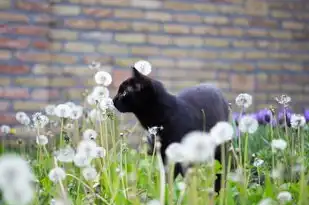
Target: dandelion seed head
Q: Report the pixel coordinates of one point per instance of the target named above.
(50, 110)
(199, 147)
(90, 134)
(97, 115)
(284, 197)
(87, 147)
(65, 154)
(258, 162)
(22, 118)
(42, 140)
(99, 93)
(81, 160)
(297, 121)
(57, 174)
(23, 194)
(222, 132)
(70, 104)
(243, 100)
(101, 152)
(63, 111)
(144, 67)
(107, 103)
(175, 152)
(248, 124)
(5, 129)
(89, 173)
(283, 100)
(76, 112)
(39, 120)
(91, 100)
(103, 78)
(278, 144)
(267, 201)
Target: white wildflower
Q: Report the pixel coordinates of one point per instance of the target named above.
(103, 78)
(297, 121)
(222, 132)
(87, 147)
(76, 112)
(97, 115)
(267, 201)
(70, 104)
(23, 194)
(101, 152)
(91, 99)
(41, 140)
(283, 100)
(199, 147)
(57, 174)
(65, 154)
(258, 162)
(90, 134)
(50, 109)
(284, 197)
(81, 160)
(175, 152)
(248, 124)
(5, 129)
(39, 120)
(236, 176)
(107, 103)
(94, 65)
(14, 169)
(277, 172)
(243, 100)
(278, 144)
(90, 173)
(22, 118)
(144, 67)
(99, 93)
(63, 111)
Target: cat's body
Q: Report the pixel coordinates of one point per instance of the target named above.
(196, 108)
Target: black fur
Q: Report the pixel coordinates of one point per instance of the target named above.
(149, 101)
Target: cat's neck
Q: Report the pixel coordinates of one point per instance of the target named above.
(159, 112)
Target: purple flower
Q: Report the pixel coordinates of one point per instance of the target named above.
(281, 119)
(306, 114)
(264, 116)
(236, 116)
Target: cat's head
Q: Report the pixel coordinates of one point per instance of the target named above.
(136, 92)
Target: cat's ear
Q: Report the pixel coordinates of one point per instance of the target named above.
(136, 73)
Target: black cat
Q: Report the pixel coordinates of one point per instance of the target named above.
(196, 108)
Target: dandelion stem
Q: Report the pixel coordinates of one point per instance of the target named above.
(162, 178)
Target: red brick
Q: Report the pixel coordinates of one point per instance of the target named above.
(242, 82)
(44, 45)
(119, 76)
(187, 18)
(65, 59)
(114, 25)
(13, 43)
(18, 69)
(262, 22)
(7, 118)
(33, 57)
(43, 19)
(176, 29)
(5, 55)
(4, 105)
(44, 94)
(14, 93)
(99, 13)
(30, 30)
(128, 14)
(9, 17)
(80, 23)
(33, 6)
(231, 32)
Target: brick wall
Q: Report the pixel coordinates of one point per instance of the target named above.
(241, 45)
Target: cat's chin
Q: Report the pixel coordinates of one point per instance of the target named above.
(121, 108)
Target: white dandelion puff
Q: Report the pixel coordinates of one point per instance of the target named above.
(222, 132)
(144, 67)
(91, 99)
(81, 160)
(278, 144)
(50, 109)
(65, 154)
(63, 111)
(89, 173)
(90, 134)
(284, 197)
(107, 103)
(101, 152)
(57, 174)
(97, 115)
(76, 112)
(243, 100)
(70, 104)
(41, 140)
(87, 147)
(175, 152)
(99, 93)
(23, 194)
(5, 129)
(103, 78)
(267, 201)
(283, 100)
(248, 124)
(236, 176)
(39, 120)
(22, 118)
(94, 65)
(258, 162)
(297, 121)
(199, 147)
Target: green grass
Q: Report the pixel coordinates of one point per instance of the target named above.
(128, 176)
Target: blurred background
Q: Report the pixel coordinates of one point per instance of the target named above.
(255, 46)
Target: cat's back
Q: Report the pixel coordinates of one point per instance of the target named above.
(206, 97)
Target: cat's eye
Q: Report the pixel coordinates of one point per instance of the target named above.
(129, 89)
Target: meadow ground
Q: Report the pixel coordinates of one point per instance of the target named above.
(81, 156)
